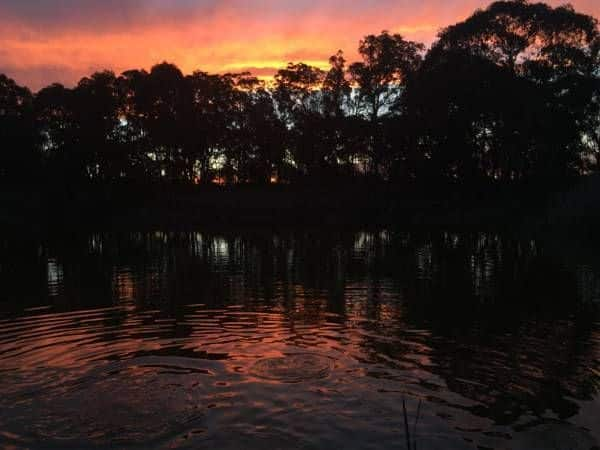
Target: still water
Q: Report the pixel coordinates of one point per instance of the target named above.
(299, 339)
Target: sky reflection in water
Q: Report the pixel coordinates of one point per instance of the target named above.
(153, 339)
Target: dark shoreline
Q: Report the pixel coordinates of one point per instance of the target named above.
(359, 205)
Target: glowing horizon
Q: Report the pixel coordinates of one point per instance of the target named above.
(63, 40)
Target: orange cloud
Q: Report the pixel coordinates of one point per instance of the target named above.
(232, 35)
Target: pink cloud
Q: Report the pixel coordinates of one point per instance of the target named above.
(64, 40)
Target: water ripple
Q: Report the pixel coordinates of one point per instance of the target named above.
(192, 340)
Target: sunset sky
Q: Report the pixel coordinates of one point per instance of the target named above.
(44, 41)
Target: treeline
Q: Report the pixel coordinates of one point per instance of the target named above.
(511, 94)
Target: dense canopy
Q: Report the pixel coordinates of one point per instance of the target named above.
(510, 94)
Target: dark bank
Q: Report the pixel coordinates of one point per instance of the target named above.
(362, 203)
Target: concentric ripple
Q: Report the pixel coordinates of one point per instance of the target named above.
(293, 368)
(134, 403)
(297, 340)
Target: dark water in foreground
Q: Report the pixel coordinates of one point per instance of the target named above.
(299, 339)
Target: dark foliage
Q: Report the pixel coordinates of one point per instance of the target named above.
(512, 94)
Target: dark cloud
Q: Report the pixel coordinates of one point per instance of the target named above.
(100, 15)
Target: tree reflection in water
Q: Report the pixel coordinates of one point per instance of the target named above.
(496, 334)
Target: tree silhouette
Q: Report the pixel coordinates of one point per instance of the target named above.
(259, 145)
(511, 94)
(58, 135)
(388, 60)
(336, 87)
(18, 157)
(96, 110)
(299, 99)
(213, 101)
(506, 92)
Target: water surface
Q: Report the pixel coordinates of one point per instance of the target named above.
(299, 339)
